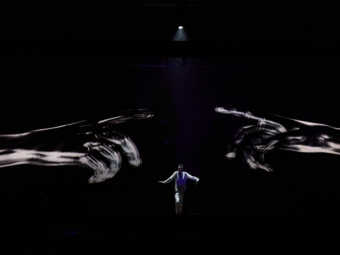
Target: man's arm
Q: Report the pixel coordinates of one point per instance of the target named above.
(192, 177)
(170, 178)
(18, 157)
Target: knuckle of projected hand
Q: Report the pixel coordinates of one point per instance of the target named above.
(107, 147)
(104, 154)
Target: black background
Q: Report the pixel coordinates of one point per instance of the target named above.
(185, 129)
(287, 68)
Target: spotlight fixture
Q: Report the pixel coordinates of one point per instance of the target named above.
(180, 35)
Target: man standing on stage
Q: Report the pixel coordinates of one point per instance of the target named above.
(180, 186)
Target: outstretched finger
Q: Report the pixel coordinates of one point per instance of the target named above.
(100, 124)
(126, 116)
(235, 112)
(269, 125)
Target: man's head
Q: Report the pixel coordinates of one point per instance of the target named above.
(180, 168)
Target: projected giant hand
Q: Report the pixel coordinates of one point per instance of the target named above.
(95, 144)
(264, 135)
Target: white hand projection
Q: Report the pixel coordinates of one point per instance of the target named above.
(94, 144)
(264, 135)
